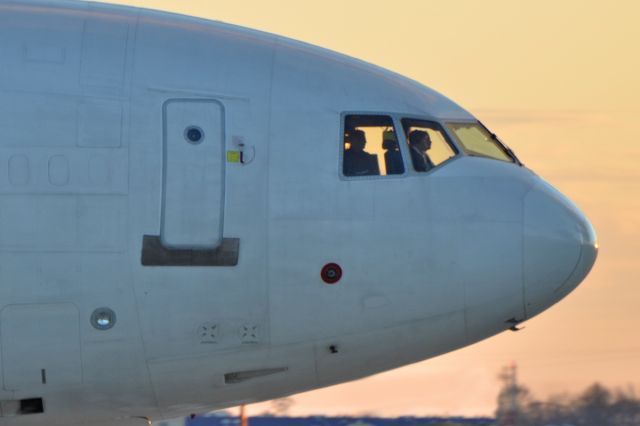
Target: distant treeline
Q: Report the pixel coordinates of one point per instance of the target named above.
(271, 420)
(595, 406)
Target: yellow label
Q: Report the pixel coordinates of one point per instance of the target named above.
(233, 156)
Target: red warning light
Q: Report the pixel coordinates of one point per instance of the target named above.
(331, 273)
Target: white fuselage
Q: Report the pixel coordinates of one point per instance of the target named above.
(209, 269)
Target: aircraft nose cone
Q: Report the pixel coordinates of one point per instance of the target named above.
(560, 248)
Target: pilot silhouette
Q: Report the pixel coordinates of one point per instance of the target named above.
(420, 143)
(358, 162)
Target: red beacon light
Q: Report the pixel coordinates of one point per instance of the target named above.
(331, 273)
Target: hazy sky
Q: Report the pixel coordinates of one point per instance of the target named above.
(560, 83)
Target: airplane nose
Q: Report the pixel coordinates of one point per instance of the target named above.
(560, 247)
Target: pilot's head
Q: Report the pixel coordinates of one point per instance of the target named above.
(420, 140)
(357, 140)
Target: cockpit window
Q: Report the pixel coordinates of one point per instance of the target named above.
(475, 139)
(371, 146)
(428, 144)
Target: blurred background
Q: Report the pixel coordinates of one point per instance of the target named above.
(560, 83)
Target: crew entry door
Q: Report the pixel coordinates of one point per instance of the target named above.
(193, 198)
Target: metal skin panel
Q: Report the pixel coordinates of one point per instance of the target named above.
(193, 199)
(431, 262)
(40, 346)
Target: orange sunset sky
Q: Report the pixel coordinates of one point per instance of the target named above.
(559, 81)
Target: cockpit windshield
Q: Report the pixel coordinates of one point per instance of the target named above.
(476, 140)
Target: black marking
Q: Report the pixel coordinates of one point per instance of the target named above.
(155, 254)
(242, 376)
(31, 406)
(514, 324)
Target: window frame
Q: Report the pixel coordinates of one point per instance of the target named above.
(399, 135)
(507, 151)
(409, 171)
(503, 145)
(457, 152)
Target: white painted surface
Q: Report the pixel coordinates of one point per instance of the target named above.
(94, 101)
(40, 346)
(193, 203)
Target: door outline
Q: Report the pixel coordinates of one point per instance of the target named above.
(222, 172)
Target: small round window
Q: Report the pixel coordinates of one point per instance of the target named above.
(194, 135)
